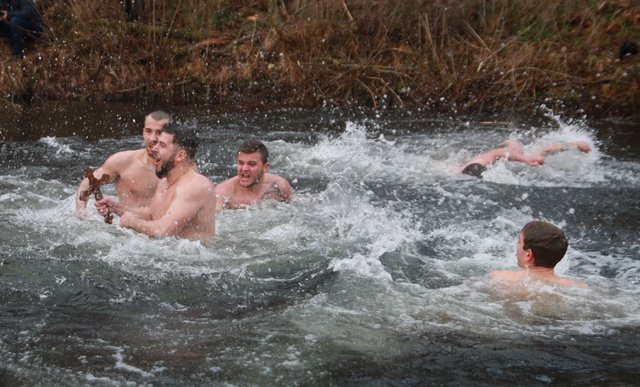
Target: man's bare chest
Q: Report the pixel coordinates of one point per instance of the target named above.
(138, 181)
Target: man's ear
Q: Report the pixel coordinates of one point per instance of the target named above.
(265, 167)
(529, 257)
(182, 155)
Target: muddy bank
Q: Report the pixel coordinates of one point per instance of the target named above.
(476, 57)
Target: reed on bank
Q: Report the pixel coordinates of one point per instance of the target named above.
(474, 56)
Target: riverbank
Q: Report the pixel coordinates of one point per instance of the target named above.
(475, 57)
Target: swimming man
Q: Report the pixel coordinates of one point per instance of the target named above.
(513, 150)
(539, 248)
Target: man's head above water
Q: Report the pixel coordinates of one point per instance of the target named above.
(474, 169)
(252, 146)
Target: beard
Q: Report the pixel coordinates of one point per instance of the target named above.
(166, 167)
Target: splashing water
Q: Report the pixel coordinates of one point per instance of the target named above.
(377, 270)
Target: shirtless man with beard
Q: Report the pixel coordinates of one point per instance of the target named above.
(133, 171)
(252, 184)
(183, 204)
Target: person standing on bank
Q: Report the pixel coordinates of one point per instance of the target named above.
(183, 204)
(19, 19)
(133, 171)
(252, 184)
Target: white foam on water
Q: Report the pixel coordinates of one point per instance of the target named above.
(55, 143)
(121, 364)
(419, 159)
(354, 159)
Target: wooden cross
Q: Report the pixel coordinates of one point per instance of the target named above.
(94, 189)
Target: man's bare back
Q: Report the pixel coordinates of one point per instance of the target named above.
(525, 277)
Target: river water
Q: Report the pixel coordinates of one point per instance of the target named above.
(375, 274)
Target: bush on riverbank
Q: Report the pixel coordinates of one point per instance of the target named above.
(473, 56)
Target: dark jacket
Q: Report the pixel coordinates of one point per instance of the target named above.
(21, 8)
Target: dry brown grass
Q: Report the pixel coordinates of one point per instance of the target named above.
(470, 56)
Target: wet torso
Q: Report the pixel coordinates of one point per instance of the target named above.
(137, 181)
(201, 225)
(235, 196)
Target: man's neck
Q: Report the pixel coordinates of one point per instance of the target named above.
(540, 272)
(177, 172)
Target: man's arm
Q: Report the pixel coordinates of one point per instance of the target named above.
(111, 167)
(81, 205)
(515, 152)
(223, 195)
(550, 149)
(107, 206)
(184, 207)
(286, 192)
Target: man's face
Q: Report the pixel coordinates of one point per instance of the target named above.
(165, 151)
(151, 131)
(250, 168)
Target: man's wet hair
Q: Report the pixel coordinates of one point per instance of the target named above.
(475, 169)
(160, 115)
(548, 243)
(252, 145)
(185, 137)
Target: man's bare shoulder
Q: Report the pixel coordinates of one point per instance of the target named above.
(281, 182)
(204, 182)
(509, 276)
(198, 182)
(226, 186)
(279, 189)
(569, 282)
(125, 158)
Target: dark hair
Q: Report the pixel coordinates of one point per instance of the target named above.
(251, 146)
(548, 243)
(474, 169)
(186, 138)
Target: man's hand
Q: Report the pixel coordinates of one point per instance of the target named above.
(4, 15)
(81, 213)
(105, 206)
